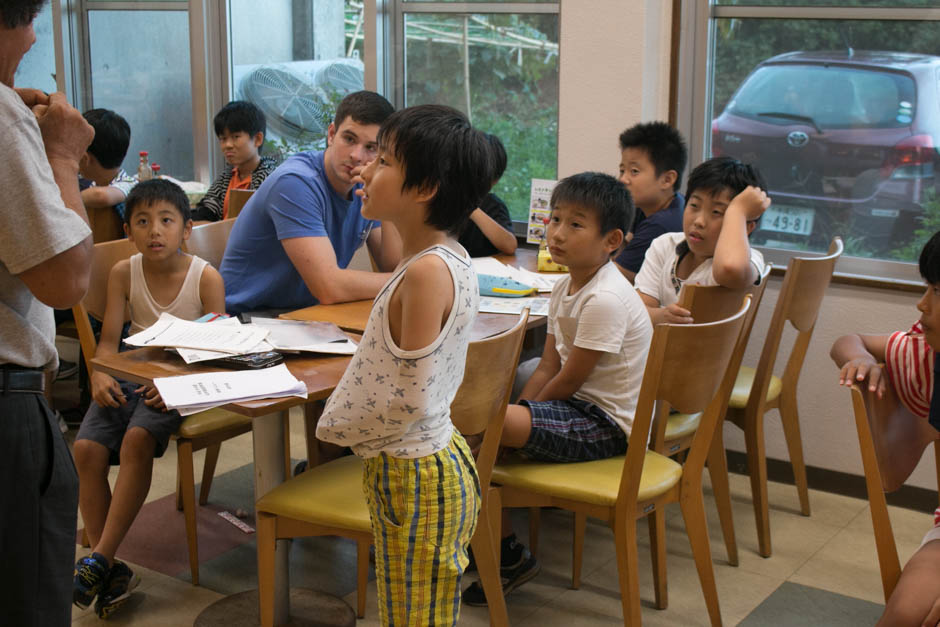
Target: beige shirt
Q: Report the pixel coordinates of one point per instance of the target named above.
(145, 310)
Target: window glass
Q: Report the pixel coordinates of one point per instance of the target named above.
(37, 68)
(842, 119)
(508, 86)
(140, 69)
(891, 4)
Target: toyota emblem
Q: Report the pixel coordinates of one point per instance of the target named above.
(797, 139)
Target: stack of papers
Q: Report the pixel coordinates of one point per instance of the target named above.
(538, 306)
(543, 282)
(193, 393)
(305, 336)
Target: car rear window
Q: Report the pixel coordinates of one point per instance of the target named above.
(830, 96)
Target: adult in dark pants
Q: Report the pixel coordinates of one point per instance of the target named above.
(45, 255)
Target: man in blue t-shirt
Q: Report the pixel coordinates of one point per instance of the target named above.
(293, 240)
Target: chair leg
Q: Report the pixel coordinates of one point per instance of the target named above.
(577, 553)
(657, 526)
(187, 489)
(362, 575)
(757, 468)
(312, 413)
(718, 470)
(790, 418)
(486, 552)
(693, 511)
(208, 472)
(288, 472)
(535, 515)
(627, 569)
(179, 488)
(265, 540)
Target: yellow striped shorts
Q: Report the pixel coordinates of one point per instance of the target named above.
(423, 513)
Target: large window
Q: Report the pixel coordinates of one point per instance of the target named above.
(37, 69)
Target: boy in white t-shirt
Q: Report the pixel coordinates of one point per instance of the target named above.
(724, 200)
(579, 403)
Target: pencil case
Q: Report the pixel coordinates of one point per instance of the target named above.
(500, 286)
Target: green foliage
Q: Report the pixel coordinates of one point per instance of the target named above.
(928, 224)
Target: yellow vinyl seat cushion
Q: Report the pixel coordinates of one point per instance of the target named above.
(210, 420)
(596, 482)
(742, 387)
(681, 425)
(329, 494)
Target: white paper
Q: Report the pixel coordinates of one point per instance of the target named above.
(538, 305)
(491, 266)
(225, 338)
(192, 393)
(543, 282)
(306, 336)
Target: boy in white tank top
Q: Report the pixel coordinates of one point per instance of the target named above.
(128, 423)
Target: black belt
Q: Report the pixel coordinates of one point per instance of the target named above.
(14, 379)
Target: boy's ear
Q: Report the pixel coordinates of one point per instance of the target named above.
(127, 232)
(258, 139)
(187, 229)
(612, 240)
(426, 194)
(330, 134)
(668, 179)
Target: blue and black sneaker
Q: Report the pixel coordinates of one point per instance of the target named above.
(121, 582)
(91, 573)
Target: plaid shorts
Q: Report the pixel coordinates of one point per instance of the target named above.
(572, 431)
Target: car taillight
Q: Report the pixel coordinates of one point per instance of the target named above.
(716, 149)
(911, 151)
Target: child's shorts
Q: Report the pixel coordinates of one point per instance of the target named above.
(107, 425)
(572, 431)
(424, 512)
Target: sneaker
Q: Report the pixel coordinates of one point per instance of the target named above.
(91, 574)
(518, 566)
(300, 468)
(66, 369)
(121, 582)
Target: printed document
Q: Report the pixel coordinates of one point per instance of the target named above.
(193, 393)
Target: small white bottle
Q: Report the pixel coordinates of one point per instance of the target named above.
(144, 172)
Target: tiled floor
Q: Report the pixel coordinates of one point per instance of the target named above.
(832, 550)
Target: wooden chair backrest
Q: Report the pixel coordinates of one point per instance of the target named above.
(104, 256)
(689, 385)
(208, 240)
(480, 404)
(801, 295)
(236, 201)
(891, 440)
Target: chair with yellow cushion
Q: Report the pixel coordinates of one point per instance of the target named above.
(327, 499)
(622, 489)
(205, 430)
(758, 390)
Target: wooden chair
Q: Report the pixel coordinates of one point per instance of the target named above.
(208, 240)
(619, 490)
(327, 499)
(892, 441)
(205, 430)
(758, 390)
(236, 201)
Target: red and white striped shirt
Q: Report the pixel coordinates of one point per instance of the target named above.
(909, 361)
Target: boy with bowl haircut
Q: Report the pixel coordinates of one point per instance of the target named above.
(910, 361)
(652, 158)
(129, 423)
(724, 201)
(579, 403)
(393, 403)
(240, 127)
(102, 180)
(489, 230)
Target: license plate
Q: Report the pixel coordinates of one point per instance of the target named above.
(794, 220)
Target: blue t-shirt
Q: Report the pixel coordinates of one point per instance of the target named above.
(296, 200)
(646, 229)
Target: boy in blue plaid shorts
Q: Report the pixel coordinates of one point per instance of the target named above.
(579, 403)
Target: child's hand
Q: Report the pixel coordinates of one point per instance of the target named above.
(106, 391)
(858, 369)
(151, 396)
(753, 201)
(674, 314)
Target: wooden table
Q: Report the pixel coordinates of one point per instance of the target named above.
(320, 374)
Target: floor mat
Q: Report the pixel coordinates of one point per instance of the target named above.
(795, 605)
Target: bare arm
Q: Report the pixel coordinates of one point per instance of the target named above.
(548, 367)
(858, 357)
(385, 247)
(61, 281)
(494, 231)
(315, 260)
(671, 314)
(101, 197)
(212, 291)
(104, 388)
(571, 377)
(427, 296)
(731, 265)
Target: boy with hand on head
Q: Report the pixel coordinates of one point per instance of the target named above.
(240, 127)
(102, 180)
(910, 361)
(724, 200)
(489, 230)
(129, 423)
(652, 158)
(393, 403)
(579, 403)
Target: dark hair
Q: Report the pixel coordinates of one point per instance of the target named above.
(439, 150)
(664, 145)
(930, 260)
(364, 107)
(601, 193)
(16, 13)
(721, 173)
(112, 137)
(240, 116)
(156, 190)
(499, 156)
